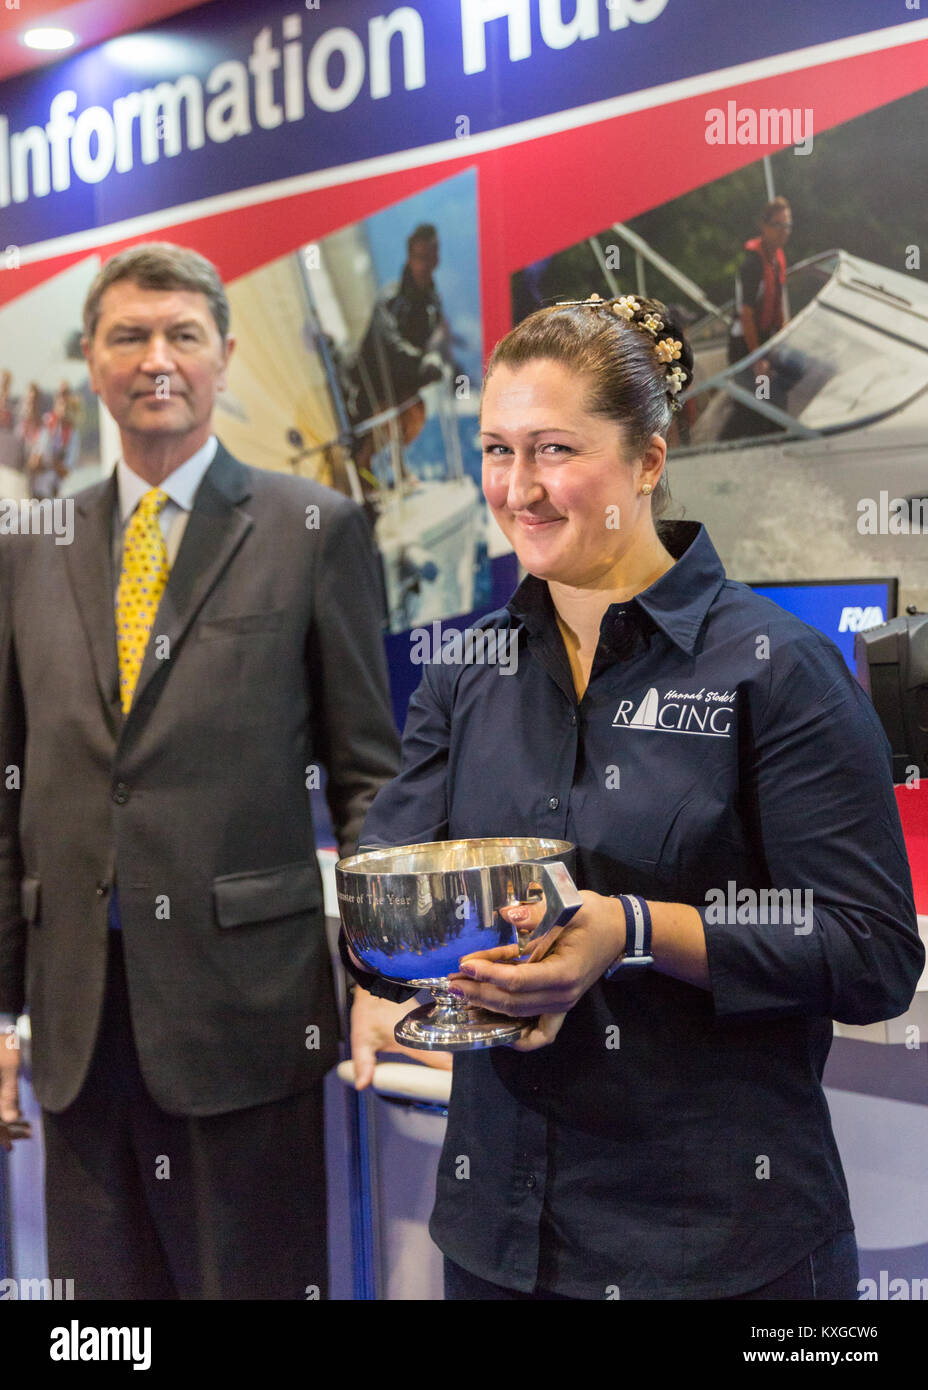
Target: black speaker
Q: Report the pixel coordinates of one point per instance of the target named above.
(892, 666)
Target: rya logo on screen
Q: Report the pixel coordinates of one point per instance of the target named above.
(860, 619)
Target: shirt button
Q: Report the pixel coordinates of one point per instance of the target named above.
(553, 803)
(531, 1181)
(120, 793)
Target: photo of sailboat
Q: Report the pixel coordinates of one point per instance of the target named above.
(304, 323)
(793, 490)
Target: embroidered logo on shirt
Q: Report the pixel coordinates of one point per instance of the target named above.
(707, 712)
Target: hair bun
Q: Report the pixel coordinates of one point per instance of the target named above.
(673, 354)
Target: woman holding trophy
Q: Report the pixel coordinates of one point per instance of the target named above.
(659, 1130)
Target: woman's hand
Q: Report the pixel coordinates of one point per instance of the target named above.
(550, 987)
(372, 1024)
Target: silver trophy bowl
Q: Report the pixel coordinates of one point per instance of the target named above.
(410, 913)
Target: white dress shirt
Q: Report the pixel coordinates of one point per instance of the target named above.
(180, 485)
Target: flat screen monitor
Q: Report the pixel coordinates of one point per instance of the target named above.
(838, 607)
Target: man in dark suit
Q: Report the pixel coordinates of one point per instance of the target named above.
(170, 683)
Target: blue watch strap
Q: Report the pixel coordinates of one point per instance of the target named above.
(637, 935)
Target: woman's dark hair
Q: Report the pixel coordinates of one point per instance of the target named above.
(627, 381)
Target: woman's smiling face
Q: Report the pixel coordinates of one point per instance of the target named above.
(557, 477)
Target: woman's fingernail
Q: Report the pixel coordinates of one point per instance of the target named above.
(457, 994)
(467, 970)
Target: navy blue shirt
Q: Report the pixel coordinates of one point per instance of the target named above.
(673, 1142)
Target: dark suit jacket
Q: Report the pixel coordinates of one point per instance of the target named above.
(196, 802)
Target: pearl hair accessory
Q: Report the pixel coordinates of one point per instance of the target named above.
(668, 350)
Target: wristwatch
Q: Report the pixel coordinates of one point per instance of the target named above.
(637, 935)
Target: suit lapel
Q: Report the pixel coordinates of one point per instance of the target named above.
(214, 532)
(90, 569)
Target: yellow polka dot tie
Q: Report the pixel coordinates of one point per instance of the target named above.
(142, 579)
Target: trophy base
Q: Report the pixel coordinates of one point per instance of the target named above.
(439, 1027)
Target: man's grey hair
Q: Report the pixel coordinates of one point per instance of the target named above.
(159, 265)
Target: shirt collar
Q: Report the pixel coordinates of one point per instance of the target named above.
(180, 485)
(677, 603)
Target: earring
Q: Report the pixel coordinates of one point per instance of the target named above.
(646, 490)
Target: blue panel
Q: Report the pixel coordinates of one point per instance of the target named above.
(839, 610)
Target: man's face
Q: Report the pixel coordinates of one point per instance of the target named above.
(423, 259)
(156, 359)
(777, 231)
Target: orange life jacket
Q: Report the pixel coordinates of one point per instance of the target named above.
(769, 316)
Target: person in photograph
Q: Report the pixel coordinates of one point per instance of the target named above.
(760, 285)
(660, 1130)
(9, 445)
(761, 310)
(7, 400)
(171, 683)
(407, 345)
(29, 420)
(56, 448)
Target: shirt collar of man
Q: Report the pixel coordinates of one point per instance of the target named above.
(180, 485)
(677, 603)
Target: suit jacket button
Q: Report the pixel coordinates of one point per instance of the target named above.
(102, 889)
(120, 793)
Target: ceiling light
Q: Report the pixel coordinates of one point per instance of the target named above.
(48, 38)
